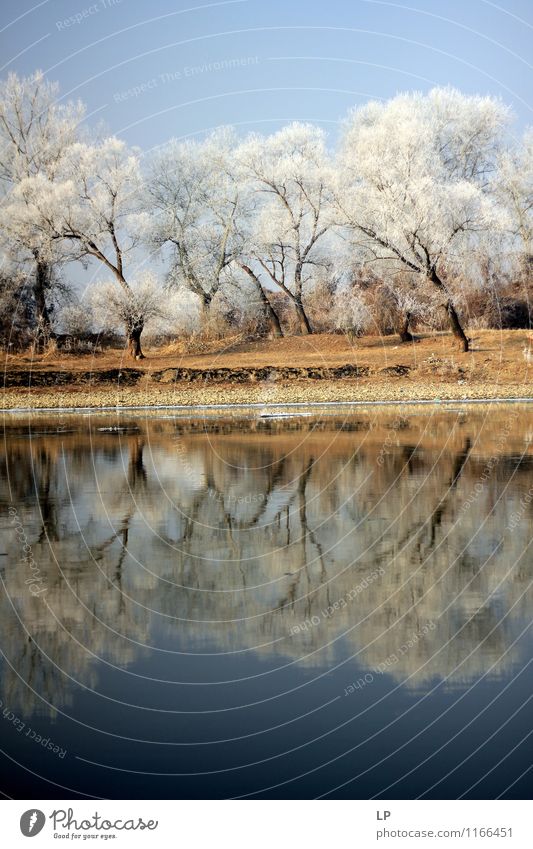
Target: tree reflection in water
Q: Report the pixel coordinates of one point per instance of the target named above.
(252, 528)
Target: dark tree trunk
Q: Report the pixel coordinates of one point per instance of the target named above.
(41, 284)
(205, 307)
(273, 319)
(455, 323)
(134, 341)
(404, 332)
(271, 315)
(305, 326)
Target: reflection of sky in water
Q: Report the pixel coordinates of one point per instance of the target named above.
(247, 576)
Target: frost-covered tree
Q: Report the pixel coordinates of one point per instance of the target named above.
(414, 180)
(114, 307)
(194, 202)
(514, 188)
(95, 208)
(104, 309)
(291, 175)
(200, 207)
(36, 131)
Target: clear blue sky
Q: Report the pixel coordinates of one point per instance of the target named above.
(143, 68)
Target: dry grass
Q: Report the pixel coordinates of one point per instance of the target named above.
(198, 344)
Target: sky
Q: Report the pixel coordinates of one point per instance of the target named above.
(154, 70)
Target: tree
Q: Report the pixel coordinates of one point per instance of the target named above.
(514, 187)
(290, 173)
(193, 202)
(35, 134)
(95, 207)
(200, 207)
(414, 184)
(271, 316)
(113, 306)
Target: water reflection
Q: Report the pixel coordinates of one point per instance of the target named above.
(203, 551)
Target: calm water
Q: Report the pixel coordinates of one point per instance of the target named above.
(330, 605)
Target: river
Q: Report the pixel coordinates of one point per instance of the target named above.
(330, 605)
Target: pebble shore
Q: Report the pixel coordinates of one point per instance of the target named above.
(308, 392)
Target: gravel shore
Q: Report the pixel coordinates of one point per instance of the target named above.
(309, 392)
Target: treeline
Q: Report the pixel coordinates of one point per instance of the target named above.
(421, 215)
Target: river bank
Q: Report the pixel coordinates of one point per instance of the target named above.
(297, 370)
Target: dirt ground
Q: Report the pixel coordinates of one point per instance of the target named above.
(295, 369)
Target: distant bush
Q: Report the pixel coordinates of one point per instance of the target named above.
(513, 314)
(509, 308)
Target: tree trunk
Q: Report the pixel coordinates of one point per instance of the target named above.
(455, 324)
(273, 319)
(527, 266)
(134, 341)
(404, 332)
(205, 312)
(272, 316)
(305, 326)
(41, 284)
